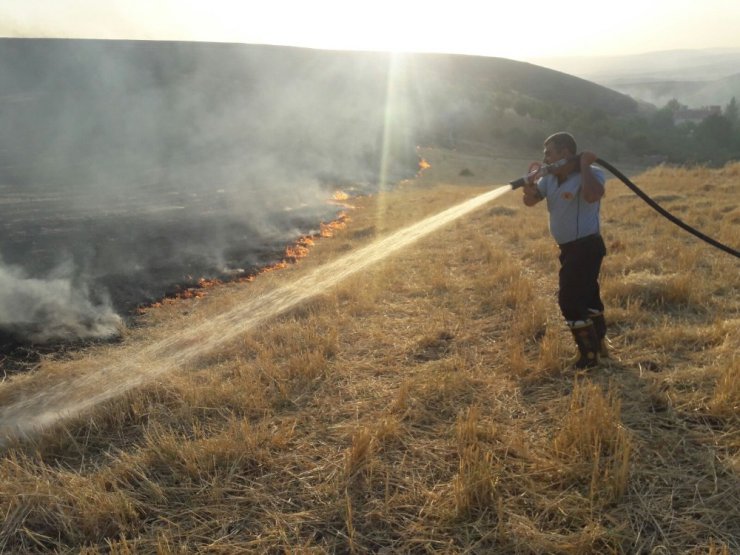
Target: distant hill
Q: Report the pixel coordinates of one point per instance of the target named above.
(692, 93)
(687, 64)
(694, 77)
(502, 75)
(76, 112)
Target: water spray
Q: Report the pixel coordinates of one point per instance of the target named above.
(537, 171)
(71, 397)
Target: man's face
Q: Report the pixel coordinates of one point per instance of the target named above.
(553, 153)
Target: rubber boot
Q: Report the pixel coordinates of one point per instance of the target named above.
(587, 340)
(600, 325)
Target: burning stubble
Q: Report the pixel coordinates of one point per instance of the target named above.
(69, 398)
(135, 165)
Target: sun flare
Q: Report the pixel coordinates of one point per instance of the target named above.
(518, 30)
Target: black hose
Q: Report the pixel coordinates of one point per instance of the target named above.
(663, 212)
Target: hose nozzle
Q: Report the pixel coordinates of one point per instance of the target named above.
(537, 170)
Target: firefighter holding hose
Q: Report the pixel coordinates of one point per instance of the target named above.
(573, 189)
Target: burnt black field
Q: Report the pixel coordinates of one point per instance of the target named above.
(147, 245)
(131, 168)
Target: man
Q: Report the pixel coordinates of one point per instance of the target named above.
(573, 193)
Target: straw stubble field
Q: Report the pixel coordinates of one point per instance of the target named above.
(422, 405)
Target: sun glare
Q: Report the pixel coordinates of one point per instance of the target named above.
(519, 30)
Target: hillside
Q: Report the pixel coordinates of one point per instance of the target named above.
(695, 77)
(716, 92)
(421, 404)
(138, 111)
(706, 64)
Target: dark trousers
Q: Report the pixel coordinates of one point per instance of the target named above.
(580, 263)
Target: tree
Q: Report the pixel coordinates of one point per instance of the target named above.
(663, 119)
(715, 128)
(674, 105)
(715, 138)
(731, 112)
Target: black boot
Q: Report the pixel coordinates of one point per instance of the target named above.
(600, 325)
(587, 340)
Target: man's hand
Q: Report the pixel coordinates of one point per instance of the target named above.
(587, 158)
(531, 194)
(591, 188)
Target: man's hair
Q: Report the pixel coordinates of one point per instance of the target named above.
(562, 140)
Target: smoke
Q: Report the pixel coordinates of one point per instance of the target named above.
(129, 168)
(143, 166)
(51, 309)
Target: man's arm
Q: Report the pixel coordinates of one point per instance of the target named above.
(591, 188)
(531, 194)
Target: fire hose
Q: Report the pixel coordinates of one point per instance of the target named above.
(536, 171)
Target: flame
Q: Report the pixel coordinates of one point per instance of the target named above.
(330, 228)
(299, 249)
(340, 198)
(295, 251)
(203, 282)
(266, 269)
(196, 291)
(423, 165)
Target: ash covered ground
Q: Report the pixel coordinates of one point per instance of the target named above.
(74, 269)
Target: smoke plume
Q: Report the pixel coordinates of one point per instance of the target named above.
(128, 169)
(51, 309)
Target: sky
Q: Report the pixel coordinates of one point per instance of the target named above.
(516, 29)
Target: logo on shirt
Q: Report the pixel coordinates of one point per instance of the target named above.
(567, 195)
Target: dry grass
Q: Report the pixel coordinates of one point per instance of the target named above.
(593, 441)
(424, 405)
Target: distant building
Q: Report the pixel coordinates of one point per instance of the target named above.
(697, 115)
